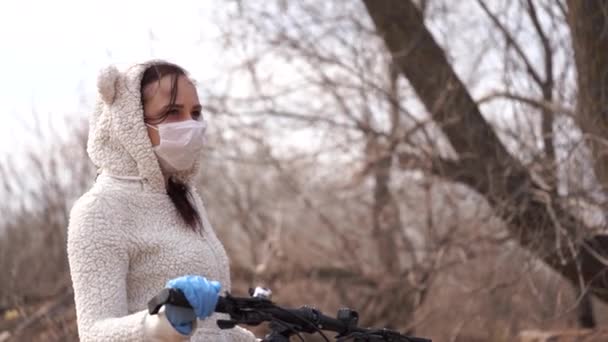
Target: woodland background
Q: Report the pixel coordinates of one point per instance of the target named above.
(440, 166)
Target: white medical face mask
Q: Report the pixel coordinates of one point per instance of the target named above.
(180, 144)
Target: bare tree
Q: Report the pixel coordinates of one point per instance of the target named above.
(536, 217)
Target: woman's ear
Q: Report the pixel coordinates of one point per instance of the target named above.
(106, 83)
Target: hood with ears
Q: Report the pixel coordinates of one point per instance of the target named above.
(118, 138)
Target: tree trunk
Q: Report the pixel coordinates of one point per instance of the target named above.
(588, 20)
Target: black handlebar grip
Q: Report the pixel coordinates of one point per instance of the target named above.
(168, 295)
(176, 297)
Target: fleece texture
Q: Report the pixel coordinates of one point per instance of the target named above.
(125, 237)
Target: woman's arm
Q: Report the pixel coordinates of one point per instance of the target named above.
(99, 262)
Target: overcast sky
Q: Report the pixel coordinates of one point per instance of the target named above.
(51, 50)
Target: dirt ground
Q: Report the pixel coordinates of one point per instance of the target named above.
(51, 320)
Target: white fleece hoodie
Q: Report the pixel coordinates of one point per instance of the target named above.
(125, 237)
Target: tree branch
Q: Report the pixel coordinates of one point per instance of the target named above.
(511, 41)
(539, 104)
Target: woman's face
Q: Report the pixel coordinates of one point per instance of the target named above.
(157, 99)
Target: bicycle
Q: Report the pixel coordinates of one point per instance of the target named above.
(285, 322)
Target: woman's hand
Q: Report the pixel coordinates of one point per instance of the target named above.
(201, 293)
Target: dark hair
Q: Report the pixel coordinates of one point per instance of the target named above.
(177, 191)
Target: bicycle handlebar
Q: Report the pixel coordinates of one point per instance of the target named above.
(284, 322)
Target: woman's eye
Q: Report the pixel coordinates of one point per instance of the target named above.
(196, 114)
(173, 112)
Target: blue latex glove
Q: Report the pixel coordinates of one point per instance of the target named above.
(201, 293)
(180, 318)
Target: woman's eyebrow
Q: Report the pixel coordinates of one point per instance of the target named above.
(180, 106)
(174, 105)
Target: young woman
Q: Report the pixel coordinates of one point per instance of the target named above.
(142, 227)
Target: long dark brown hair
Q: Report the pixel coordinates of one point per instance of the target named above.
(177, 191)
